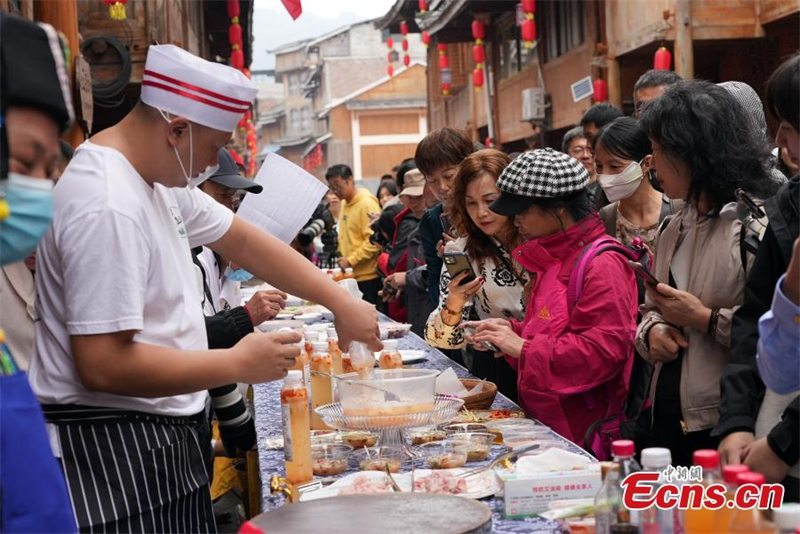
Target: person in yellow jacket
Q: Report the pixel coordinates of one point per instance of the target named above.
(355, 248)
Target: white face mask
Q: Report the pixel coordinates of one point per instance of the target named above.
(622, 185)
(191, 181)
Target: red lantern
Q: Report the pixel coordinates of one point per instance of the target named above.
(478, 54)
(406, 60)
(529, 32)
(389, 42)
(390, 70)
(446, 89)
(116, 9)
(233, 8)
(405, 44)
(404, 28)
(477, 30)
(477, 78)
(600, 91)
(488, 142)
(237, 59)
(426, 39)
(442, 48)
(423, 6)
(389, 57)
(662, 60)
(444, 62)
(235, 35)
(529, 6)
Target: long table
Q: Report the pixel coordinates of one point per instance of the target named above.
(268, 424)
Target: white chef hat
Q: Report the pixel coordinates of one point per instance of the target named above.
(185, 85)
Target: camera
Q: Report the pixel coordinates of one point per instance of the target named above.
(311, 232)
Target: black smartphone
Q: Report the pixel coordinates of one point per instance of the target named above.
(483, 345)
(457, 263)
(643, 272)
(447, 226)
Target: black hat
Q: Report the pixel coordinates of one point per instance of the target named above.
(543, 173)
(228, 175)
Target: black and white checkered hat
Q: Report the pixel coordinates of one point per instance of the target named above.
(543, 173)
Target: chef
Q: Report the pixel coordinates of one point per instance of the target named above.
(121, 363)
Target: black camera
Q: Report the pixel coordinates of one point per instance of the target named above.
(311, 232)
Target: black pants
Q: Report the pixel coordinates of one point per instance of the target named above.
(370, 290)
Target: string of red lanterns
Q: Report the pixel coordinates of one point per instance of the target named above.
(662, 59)
(390, 68)
(423, 6)
(478, 54)
(529, 24)
(444, 67)
(426, 39)
(600, 90)
(246, 127)
(404, 33)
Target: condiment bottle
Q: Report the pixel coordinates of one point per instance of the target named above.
(611, 516)
(296, 429)
(320, 385)
(623, 451)
(655, 520)
(336, 352)
(302, 364)
(390, 357)
(750, 521)
(701, 520)
(722, 519)
(362, 359)
(310, 336)
(347, 363)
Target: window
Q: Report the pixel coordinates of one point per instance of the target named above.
(562, 26)
(514, 55)
(294, 121)
(294, 83)
(306, 119)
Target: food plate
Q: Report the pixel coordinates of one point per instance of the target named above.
(478, 487)
(394, 330)
(481, 416)
(409, 356)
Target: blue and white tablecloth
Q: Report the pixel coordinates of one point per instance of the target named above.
(268, 424)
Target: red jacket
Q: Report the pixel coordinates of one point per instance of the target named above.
(570, 358)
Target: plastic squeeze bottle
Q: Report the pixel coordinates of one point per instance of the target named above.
(321, 392)
(335, 351)
(390, 356)
(296, 429)
(701, 520)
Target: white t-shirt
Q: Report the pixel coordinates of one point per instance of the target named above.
(118, 258)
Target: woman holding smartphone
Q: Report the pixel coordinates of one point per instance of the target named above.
(498, 284)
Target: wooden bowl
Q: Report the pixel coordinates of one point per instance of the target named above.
(482, 400)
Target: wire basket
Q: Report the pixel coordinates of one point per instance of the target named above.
(444, 408)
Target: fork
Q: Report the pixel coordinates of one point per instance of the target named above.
(498, 461)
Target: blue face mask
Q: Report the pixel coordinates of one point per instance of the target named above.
(237, 275)
(30, 204)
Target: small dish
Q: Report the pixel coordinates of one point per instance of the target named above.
(445, 454)
(330, 459)
(480, 444)
(359, 440)
(318, 437)
(378, 458)
(461, 428)
(427, 434)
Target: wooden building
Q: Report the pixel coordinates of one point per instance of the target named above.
(528, 91)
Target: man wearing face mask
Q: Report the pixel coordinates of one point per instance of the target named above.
(122, 362)
(35, 107)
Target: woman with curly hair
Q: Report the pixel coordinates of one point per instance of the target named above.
(704, 151)
(487, 238)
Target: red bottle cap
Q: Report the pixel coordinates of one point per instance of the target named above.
(751, 478)
(623, 447)
(249, 528)
(706, 458)
(731, 472)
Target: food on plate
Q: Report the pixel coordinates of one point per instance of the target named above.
(441, 482)
(363, 485)
(447, 460)
(479, 444)
(380, 464)
(481, 416)
(421, 436)
(394, 330)
(478, 452)
(330, 458)
(325, 467)
(359, 440)
(445, 454)
(461, 428)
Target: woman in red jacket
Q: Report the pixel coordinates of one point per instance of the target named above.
(573, 355)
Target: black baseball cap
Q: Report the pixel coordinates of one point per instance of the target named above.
(228, 175)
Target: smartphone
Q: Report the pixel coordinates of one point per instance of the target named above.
(457, 263)
(643, 272)
(483, 345)
(446, 225)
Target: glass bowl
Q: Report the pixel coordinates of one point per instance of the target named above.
(479, 444)
(461, 428)
(318, 437)
(445, 454)
(426, 434)
(359, 440)
(377, 458)
(330, 458)
(389, 396)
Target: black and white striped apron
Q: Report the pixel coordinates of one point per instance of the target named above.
(130, 471)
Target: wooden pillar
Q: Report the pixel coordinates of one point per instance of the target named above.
(63, 16)
(684, 48)
(614, 81)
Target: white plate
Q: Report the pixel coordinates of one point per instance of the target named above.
(272, 326)
(284, 317)
(478, 487)
(409, 356)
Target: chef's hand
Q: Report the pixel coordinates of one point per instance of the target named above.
(343, 263)
(760, 458)
(679, 307)
(665, 342)
(262, 357)
(265, 305)
(458, 295)
(733, 446)
(357, 320)
(497, 332)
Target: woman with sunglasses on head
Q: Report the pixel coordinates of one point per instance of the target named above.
(487, 239)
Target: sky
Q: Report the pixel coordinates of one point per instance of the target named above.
(273, 27)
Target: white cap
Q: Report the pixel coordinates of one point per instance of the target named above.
(390, 344)
(332, 334)
(320, 346)
(656, 457)
(311, 336)
(787, 517)
(201, 91)
(294, 376)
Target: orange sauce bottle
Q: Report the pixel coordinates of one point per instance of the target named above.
(390, 357)
(321, 392)
(310, 337)
(750, 521)
(730, 473)
(296, 429)
(335, 351)
(702, 520)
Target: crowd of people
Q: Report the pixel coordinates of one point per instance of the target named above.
(644, 281)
